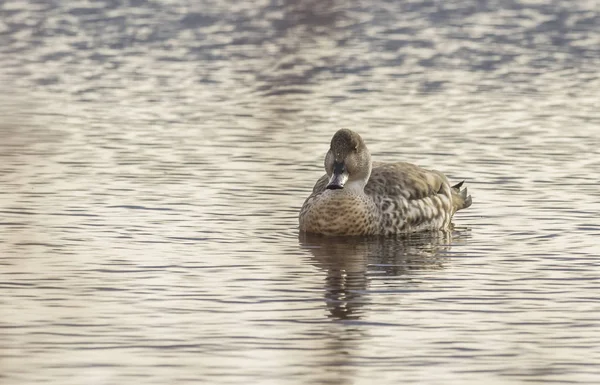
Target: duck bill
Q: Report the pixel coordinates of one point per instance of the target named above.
(337, 181)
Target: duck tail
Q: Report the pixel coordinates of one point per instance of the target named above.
(460, 199)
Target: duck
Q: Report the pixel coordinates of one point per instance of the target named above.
(359, 197)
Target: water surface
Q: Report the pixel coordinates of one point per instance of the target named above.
(154, 157)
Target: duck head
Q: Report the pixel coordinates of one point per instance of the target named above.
(348, 161)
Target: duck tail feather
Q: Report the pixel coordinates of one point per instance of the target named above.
(458, 185)
(461, 198)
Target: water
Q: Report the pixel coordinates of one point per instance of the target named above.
(154, 157)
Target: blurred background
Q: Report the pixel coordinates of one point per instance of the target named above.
(154, 156)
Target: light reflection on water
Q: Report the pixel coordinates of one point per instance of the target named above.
(350, 263)
(154, 157)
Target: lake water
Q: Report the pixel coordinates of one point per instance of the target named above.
(154, 156)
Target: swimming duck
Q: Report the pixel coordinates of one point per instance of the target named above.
(361, 197)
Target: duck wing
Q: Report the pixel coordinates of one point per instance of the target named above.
(413, 183)
(321, 184)
(406, 180)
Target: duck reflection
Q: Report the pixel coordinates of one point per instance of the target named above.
(351, 262)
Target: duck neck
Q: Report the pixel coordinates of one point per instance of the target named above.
(355, 186)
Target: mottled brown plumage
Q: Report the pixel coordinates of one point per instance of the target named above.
(360, 197)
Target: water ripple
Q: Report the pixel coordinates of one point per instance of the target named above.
(154, 156)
